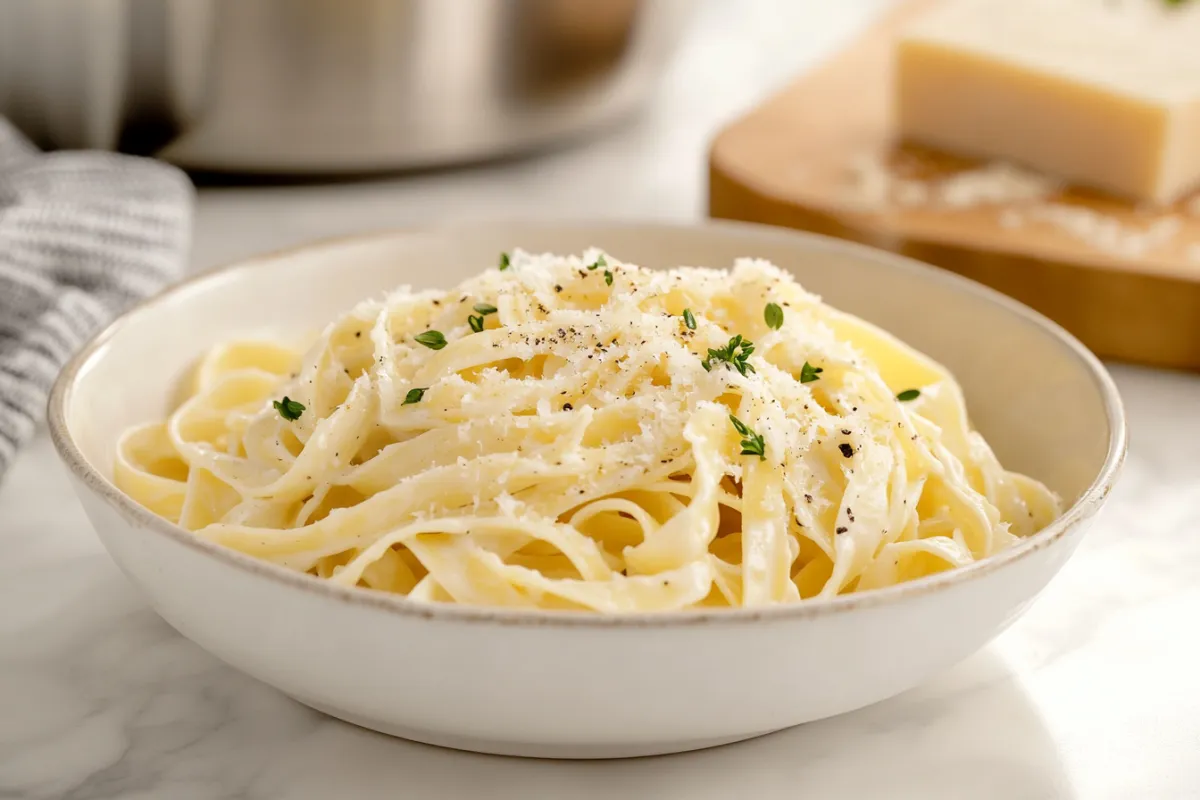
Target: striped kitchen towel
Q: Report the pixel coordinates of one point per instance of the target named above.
(82, 236)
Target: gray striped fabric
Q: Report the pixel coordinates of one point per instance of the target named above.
(82, 236)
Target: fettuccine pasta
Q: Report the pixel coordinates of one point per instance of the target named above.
(581, 433)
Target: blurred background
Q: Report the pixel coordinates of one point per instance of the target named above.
(303, 118)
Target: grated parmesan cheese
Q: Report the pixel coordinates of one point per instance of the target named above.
(994, 184)
(1106, 233)
(869, 183)
(874, 186)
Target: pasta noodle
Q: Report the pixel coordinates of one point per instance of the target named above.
(580, 433)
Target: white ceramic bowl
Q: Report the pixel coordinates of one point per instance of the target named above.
(570, 684)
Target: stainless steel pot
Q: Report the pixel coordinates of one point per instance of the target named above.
(312, 86)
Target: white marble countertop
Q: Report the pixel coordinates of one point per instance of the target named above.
(1095, 693)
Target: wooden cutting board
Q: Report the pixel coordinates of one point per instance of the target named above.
(1125, 280)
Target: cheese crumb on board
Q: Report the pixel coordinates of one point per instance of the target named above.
(1021, 198)
(994, 184)
(1104, 233)
(1103, 93)
(874, 186)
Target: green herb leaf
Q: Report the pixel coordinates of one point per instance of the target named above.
(476, 323)
(485, 308)
(689, 319)
(505, 262)
(773, 315)
(908, 394)
(414, 396)
(434, 340)
(600, 262)
(734, 354)
(752, 443)
(288, 408)
(608, 277)
(809, 373)
(754, 446)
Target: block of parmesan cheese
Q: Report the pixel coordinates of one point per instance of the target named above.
(1103, 93)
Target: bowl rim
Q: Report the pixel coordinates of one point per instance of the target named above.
(1084, 507)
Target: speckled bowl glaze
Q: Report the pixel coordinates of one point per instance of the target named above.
(569, 684)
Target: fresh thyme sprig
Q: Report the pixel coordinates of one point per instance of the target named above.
(752, 443)
(735, 354)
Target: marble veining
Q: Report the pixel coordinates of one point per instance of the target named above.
(1093, 694)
